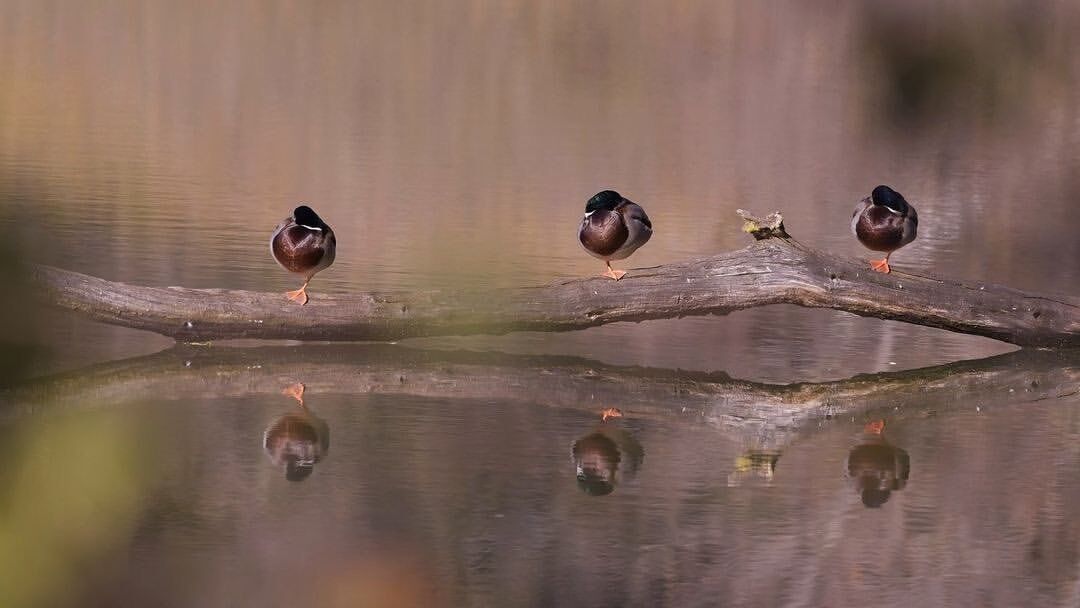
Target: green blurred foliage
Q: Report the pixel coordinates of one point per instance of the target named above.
(69, 499)
(18, 318)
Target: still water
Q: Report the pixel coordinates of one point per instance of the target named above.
(453, 145)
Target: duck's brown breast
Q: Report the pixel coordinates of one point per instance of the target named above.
(298, 249)
(603, 232)
(880, 229)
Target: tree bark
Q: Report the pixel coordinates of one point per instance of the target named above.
(775, 270)
(761, 414)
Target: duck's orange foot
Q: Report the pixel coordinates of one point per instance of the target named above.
(875, 427)
(881, 265)
(610, 412)
(296, 391)
(614, 274)
(300, 295)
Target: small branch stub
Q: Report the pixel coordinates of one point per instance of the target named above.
(771, 225)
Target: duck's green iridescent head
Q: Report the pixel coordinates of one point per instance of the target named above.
(887, 197)
(606, 200)
(306, 216)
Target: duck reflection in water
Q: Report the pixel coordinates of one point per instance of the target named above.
(297, 440)
(606, 456)
(876, 467)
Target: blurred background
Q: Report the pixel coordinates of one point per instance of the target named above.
(452, 146)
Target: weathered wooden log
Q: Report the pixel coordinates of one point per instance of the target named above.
(764, 415)
(774, 270)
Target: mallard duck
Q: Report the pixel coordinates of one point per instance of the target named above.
(297, 441)
(876, 467)
(604, 457)
(884, 221)
(613, 228)
(303, 244)
(596, 463)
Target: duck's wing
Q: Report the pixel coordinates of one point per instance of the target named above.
(638, 224)
(911, 226)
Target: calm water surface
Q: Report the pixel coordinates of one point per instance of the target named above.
(435, 501)
(452, 146)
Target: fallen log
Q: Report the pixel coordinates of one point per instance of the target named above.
(773, 270)
(758, 414)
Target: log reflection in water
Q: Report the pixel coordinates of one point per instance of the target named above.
(762, 415)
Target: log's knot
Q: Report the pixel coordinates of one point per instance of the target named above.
(771, 225)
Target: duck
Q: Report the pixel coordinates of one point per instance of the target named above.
(304, 245)
(298, 440)
(884, 221)
(613, 228)
(605, 457)
(875, 467)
